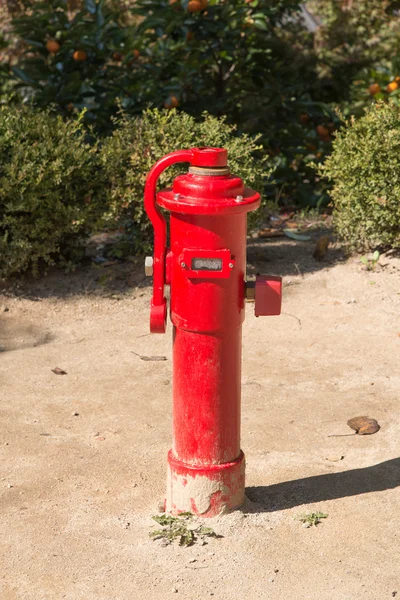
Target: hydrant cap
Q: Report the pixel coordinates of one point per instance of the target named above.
(209, 157)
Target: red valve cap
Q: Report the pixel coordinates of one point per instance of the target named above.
(268, 296)
(206, 156)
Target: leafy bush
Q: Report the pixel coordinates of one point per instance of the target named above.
(55, 187)
(137, 143)
(365, 170)
(48, 178)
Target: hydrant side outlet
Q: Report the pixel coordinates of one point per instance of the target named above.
(206, 267)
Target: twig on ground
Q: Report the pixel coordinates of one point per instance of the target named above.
(294, 317)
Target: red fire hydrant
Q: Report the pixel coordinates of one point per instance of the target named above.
(205, 268)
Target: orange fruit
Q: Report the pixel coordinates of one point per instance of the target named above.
(392, 86)
(136, 53)
(304, 118)
(117, 56)
(70, 106)
(397, 79)
(172, 102)
(322, 131)
(79, 55)
(325, 138)
(374, 88)
(197, 5)
(52, 46)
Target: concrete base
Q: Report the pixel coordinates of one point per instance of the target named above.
(205, 491)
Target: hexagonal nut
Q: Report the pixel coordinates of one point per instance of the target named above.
(148, 266)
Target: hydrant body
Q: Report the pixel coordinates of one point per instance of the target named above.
(205, 268)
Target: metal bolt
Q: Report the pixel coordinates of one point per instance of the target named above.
(239, 198)
(177, 196)
(148, 266)
(183, 265)
(230, 265)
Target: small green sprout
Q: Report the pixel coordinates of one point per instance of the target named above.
(370, 263)
(178, 528)
(310, 519)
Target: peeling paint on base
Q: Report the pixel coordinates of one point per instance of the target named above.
(208, 490)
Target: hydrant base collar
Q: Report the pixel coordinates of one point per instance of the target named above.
(204, 490)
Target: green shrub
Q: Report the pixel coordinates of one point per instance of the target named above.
(55, 187)
(50, 189)
(137, 143)
(365, 170)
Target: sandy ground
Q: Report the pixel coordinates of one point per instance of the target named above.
(77, 491)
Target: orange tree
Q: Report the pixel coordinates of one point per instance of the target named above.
(74, 59)
(250, 60)
(357, 49)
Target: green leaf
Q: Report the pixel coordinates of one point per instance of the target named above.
(100, 17)
(34, 43)
(260, 24)
(22, 75)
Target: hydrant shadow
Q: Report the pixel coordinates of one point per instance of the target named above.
(330, 486)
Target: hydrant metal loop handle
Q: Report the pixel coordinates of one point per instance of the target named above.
(158, 313)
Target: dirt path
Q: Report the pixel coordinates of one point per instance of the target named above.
(82, 455)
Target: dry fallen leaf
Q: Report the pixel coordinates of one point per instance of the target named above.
(291, 224)
(270, 232)
(364, 425)
(109, 263)
(321, 248)
(335, 458)
(287, 216)
(59, 371)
